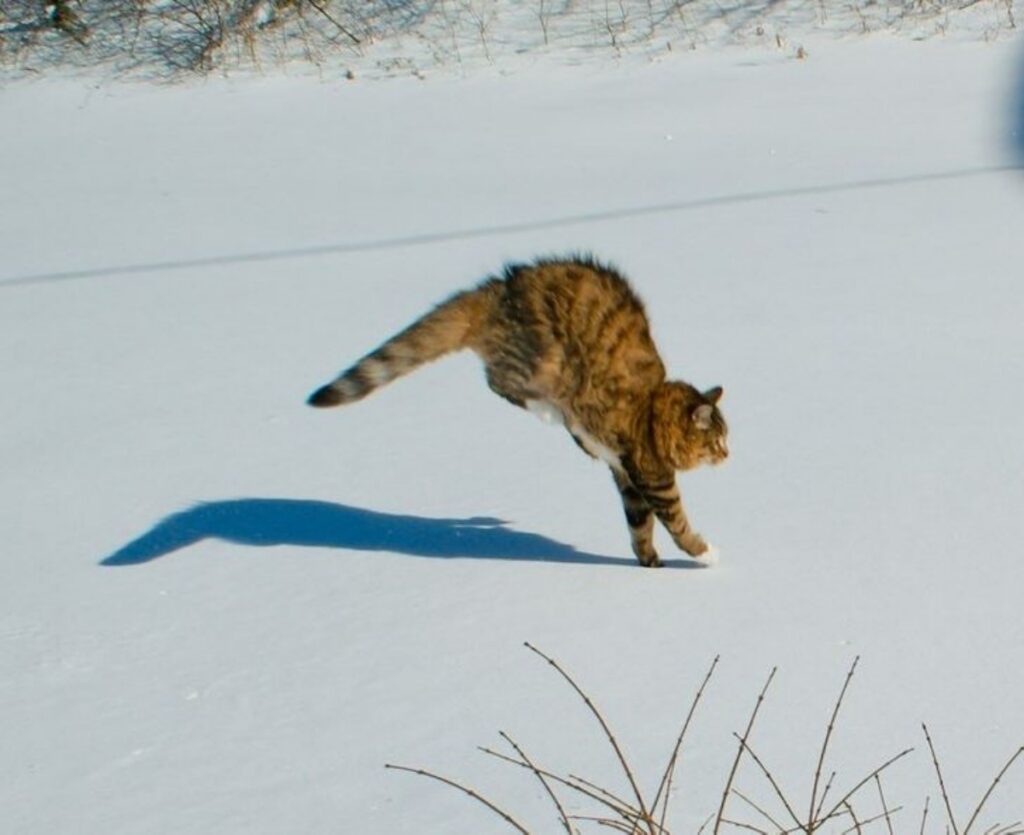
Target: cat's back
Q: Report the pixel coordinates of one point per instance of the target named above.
(577, 298)
(586, 315)
(577, 287)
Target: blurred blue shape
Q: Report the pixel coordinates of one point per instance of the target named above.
(295, 522)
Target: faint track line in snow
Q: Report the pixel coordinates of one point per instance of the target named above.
(426, 238)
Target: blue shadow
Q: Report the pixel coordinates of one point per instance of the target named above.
(264, 522)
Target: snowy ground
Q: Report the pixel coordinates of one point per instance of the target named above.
(221, 611)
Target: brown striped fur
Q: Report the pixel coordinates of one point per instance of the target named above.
(570, 338)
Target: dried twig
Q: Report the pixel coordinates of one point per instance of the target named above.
(622, 809)
(637, 818)
(860, 785)
(741, 825)
(811, 813)
(645, 815)
(600, 790)
(543, 780)
(942, 783)
(666, 780)
(856, 823)
(720, 818)
(758, 809)
(608, 822)
(778, 791)
(575, 778)
(824, 795)
(316, 5)
(628, 814)
(465, 789)
(885, 806)
(992, 787)
(867, 821)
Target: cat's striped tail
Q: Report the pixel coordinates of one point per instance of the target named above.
(450, 326)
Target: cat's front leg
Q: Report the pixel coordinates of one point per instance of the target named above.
(640, 519)
(664, 499)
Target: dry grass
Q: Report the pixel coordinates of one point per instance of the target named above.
(771, 811)
(169, 38)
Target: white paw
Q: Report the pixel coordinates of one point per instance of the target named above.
(709, 557)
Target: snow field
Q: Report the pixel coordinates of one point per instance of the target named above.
(867, 334)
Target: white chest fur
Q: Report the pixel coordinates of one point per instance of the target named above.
(552, 415)
(547, 412)
(595, 447)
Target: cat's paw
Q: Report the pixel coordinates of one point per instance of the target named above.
(710, 555)
(648, 558)
(693, 544)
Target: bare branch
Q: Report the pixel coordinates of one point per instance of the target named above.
(992, 787)
(824, 795)
(758, 809)
(828, 735)
(465, 789)
(316, 5)
(645, 815)
(607, 822)
(856, 823)
(885, 806)
(739, 825)
(942, 784)
(778, 791)
(666, 780)
(543, 781)
(600, 790)
(720, 818)
(859, 785)
(867, 821)
(623, 810)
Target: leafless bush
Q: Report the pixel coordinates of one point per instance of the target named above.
(169, 37)
(173, 36)
(638, 813)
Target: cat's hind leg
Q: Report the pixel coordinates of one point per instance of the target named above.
(640, 519)
(510, 384)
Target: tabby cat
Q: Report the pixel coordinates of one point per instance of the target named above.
(569, 340)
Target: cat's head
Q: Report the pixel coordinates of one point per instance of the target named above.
(688, 426)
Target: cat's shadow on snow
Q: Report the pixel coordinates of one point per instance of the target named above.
(303, 523)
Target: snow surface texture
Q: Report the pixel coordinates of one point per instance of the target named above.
(221, 611)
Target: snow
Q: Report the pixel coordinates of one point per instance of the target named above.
(222, 611)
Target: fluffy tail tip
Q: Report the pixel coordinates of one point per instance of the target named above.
(324, 397)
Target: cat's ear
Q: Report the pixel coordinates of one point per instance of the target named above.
(702, 416)
(713, 395)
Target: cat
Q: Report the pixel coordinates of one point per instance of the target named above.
(569, 340)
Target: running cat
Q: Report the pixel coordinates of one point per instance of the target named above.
(569, 340)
